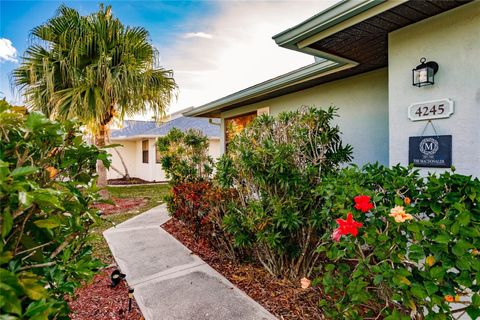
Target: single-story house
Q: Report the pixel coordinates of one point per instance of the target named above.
(405, 76)
(139, 150)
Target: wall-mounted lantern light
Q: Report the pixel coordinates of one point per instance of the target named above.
(423, 74)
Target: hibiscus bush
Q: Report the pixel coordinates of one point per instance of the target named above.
(274, 164)
(47, 186)
(401, 245)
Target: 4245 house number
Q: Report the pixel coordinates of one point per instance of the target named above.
(427, 110)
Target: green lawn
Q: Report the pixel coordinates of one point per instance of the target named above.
(154, 195)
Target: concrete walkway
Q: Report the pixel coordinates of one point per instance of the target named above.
(171, 282)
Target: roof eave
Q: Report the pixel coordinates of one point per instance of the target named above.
(340, 12)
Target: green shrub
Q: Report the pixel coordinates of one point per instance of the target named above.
(194, 198)
(274, 164)
(184, 156)
(416, 250)
(47, 186)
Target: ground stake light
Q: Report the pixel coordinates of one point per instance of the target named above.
(424, 73)
(130, 296)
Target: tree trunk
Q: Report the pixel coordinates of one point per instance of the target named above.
(127, 175)
(101, 170)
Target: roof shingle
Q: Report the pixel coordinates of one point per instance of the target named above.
(133, 128)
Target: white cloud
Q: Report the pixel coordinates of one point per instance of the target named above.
(242, 52)
(7, 51)
(197, 35)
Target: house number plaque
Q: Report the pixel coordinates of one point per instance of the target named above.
(428, 110)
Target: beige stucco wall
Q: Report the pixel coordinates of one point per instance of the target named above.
(151, 171)
(452, 39)
(363, 108)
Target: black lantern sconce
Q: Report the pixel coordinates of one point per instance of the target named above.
(424, 74)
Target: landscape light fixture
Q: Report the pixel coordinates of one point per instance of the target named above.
(424, 74)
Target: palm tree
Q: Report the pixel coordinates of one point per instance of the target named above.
(93, 68)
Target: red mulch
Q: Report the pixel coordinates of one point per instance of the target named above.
(282, 298)
(121, 205)
(97, 300)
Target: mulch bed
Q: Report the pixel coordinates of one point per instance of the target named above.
(121, 205)
(282, 298)
(97, 300)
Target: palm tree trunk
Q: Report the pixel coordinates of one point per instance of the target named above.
(126, 176)
(101, 170)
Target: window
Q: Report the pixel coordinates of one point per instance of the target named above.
(157, 155)
(235, 125)
(145, 151)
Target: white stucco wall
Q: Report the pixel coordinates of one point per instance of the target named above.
(363, 108)
(127, 150)
(452, 39)
(214, 148)
(151, 171)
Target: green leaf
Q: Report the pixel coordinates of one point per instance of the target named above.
(23, 171)
(463, 218)
(476, 300)
(5, 257)
(46, 198)
(9, 300)
(37, 308)
(455, 228)
(461, 247)
(7, 223)
(32, 287)
(442, 238)
(35, 120)
(437, 273)
(473, 312)
(49, 223)
(413, 227)
(430, 287)
(418, 291)
(416, 252)
(377, 279)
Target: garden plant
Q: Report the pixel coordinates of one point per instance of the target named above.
(402, 246)
(47, 187)
(194, 197)
(274, 164)
(378, 242)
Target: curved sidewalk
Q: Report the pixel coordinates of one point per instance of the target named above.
(170, 281)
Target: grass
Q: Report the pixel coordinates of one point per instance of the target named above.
(154, 195)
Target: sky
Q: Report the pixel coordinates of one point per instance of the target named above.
(214, 48)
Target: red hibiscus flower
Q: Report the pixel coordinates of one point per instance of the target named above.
(345, 227)
(363, 203)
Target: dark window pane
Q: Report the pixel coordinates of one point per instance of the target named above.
(145, 151)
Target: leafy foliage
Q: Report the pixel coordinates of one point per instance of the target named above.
(274, 164)
(401, 267)
(195, 199)
(47, 186)
(184, 156)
